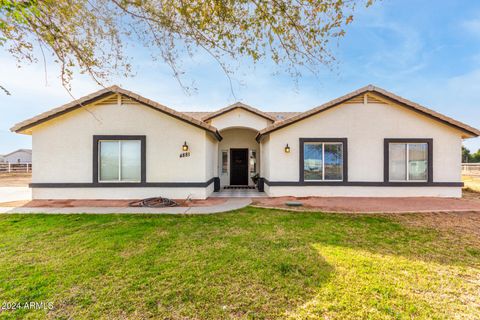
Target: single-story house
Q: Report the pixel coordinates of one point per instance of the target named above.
(20, 156)
(115, 144)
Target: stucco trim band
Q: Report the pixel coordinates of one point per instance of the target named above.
(123, 184)
(360, 183)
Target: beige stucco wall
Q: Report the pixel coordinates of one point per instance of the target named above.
(348, 191)
(265, 156)
(62, 148)
(239, 118)
(211, 152)
(236, 138)
(365, 126)
(121, 193)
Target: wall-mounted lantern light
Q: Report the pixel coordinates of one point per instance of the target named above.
(185, 146)
(287, 149)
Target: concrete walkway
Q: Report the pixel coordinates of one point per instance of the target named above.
(8, 194)
(229, 205)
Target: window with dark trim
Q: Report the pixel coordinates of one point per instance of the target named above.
(119, 159)
(408, 160)
(323, 159)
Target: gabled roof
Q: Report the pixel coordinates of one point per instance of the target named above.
(283, 115)
(18, 150)
(99, 95)
(277, 115)
(382, 93)
(199, 115)
(240, 106)
(280, 119)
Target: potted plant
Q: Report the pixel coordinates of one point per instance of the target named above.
(255, 178)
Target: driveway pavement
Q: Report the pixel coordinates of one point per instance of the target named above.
(8, 194)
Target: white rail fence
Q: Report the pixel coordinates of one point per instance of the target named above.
(15, 167)
(471, 169)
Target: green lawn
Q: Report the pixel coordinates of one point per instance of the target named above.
(249, 264)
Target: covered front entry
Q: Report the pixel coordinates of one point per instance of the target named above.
(239, 158)
(238, 167)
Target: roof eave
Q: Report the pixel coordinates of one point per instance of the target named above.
(238, 106)
(472, 132)
(173, 113)
(29, 123)
(49, 115)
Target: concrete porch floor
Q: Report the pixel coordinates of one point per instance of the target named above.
(238, 193)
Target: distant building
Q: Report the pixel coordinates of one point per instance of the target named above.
(18, 156)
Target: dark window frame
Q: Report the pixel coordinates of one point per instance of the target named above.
(386, 158)
(143, 158)
(344, 142)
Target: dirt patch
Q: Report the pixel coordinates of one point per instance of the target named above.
(470, 194)
(70, 203)
(462, 223)
(15, 179)
(371, 204)
(425, 212)
(472, 182)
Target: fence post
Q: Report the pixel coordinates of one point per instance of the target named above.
(9, 167)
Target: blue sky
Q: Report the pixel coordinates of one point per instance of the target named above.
(425, 51)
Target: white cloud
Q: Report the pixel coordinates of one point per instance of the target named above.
(472, 26)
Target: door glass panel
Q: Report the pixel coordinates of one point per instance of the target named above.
(397, 159)
(417, 161)
(131, 160)
(333, 161)
(253, 162)
(109, 151)
(224, 161)
(312, 163)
